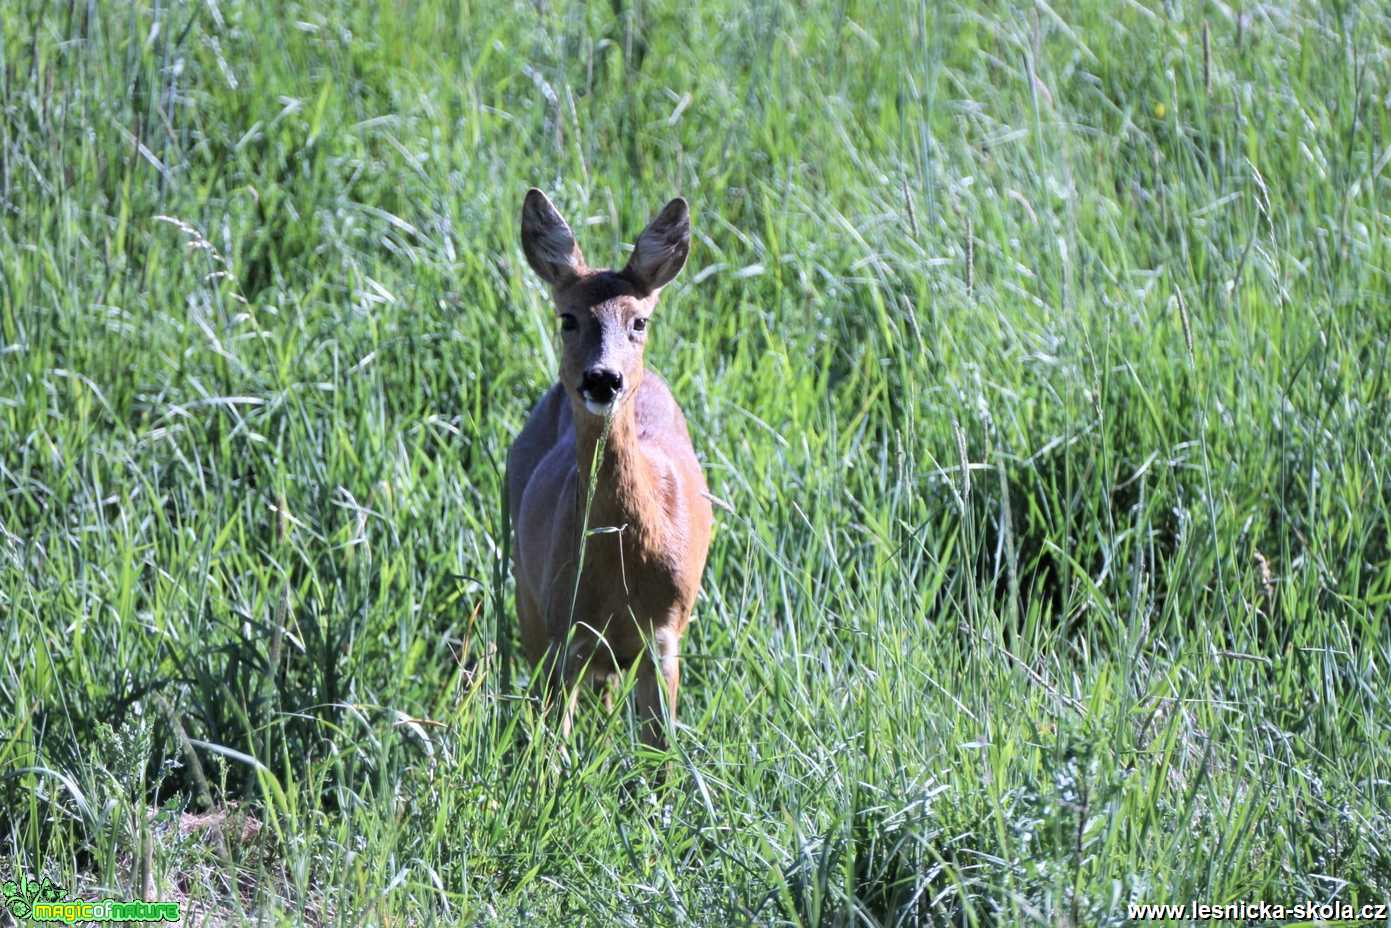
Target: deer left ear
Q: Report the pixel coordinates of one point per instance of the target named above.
(661, 249)
(548, 242)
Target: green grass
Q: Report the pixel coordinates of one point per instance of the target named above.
(1041, 352)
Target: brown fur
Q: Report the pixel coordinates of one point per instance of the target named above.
(639, 583)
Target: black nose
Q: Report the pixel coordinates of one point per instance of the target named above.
(601, 384)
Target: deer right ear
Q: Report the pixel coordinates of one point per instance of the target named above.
(548, 242)
(660, 251)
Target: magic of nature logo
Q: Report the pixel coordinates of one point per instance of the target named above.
(43, 900)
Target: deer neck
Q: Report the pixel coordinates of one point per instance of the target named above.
(625, 491)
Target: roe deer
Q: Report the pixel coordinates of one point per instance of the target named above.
(638, 579)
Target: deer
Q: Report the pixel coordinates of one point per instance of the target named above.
(609, 507)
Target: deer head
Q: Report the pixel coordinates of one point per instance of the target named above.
(603, 313)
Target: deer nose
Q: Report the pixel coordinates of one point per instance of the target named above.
(601, 385)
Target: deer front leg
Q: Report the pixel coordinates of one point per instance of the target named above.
(552, 683)
(659, 680)
(567, 665)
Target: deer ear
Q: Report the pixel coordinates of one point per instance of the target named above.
(661, 249)
(548, 242)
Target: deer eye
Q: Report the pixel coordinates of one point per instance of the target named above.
(567, 322)
(639, 324)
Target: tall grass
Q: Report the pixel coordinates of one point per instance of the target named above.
(1039, 350)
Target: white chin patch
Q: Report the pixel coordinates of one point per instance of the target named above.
(599, 409)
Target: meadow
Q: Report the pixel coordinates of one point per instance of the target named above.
(1039, 351)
